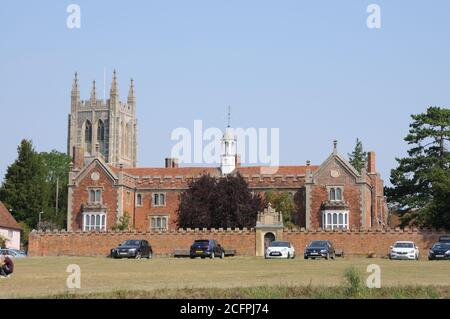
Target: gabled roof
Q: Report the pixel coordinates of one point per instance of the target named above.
(345, 164)
(100, 163)
(7, 220)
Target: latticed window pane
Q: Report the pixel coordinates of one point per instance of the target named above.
(338, 194)
(332, 194)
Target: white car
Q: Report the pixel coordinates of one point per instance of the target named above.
(404, 250)
(280, 249)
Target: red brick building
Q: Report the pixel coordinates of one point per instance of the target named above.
(334, 194)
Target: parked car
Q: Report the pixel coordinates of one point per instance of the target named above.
(320, 249)
(280, 249)
(440, 250)
(206, 248)
(444, 239)
(404, 250)
(14, 253)
(133, 249)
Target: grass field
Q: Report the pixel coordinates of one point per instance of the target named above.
(232, 277)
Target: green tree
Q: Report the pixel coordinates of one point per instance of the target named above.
(23, 186)
(358, 156)
(56, 172)
(283, 202)
(3, 241)
(123, 223)
(421, 182)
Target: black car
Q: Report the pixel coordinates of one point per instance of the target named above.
(320, 249)
(440, 250)
(206, 248)
(133, 249)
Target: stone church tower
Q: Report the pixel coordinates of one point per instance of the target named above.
(106, 128)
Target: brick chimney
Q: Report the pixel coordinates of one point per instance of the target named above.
(238, 160)
(371, 162)
(171, 162)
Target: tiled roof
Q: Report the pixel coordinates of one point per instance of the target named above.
(196, 171)
(7, 220)
(172, 171)
(280, 170)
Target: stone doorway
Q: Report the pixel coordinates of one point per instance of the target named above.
(268, 239)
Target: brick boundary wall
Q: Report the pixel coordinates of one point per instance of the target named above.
(353, 242)
(61, 243)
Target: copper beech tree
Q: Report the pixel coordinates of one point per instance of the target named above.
(211, 202)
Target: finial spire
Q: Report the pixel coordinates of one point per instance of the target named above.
(75, 82)
(93, 92)
(335, 146)
(131, 91)
(229, 116)
(114, 89)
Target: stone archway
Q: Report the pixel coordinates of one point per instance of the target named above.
(269, 237)
(269, 227)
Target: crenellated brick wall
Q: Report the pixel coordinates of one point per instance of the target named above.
(354, 242)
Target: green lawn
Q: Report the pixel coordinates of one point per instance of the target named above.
(46, 276)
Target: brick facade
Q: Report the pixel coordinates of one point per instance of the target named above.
(362, 192)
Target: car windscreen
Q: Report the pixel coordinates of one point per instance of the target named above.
(201, 242)
(441, 246)
(444, 239)
(279, 244)
(403, 245)
(131, 243)
(320, 243)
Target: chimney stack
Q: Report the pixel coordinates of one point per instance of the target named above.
(238, 160)
(371, 162)
(171, 162)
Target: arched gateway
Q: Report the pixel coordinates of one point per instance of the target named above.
(269, 227)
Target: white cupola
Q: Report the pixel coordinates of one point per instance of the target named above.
(228, 157)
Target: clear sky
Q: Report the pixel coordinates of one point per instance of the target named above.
(311, 68)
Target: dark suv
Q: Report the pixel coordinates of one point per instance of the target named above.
(206, 248)
(133, 249)
(320, 249)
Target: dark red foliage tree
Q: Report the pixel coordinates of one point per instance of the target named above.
(214, 203)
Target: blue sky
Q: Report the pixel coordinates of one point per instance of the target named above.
(311, 68)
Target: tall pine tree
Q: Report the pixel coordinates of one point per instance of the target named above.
(421, 182)
(358, 156)
(23, 188)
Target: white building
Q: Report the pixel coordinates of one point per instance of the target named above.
(9, 228)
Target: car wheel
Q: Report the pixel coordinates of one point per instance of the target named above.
(192, 257)
(138, 255)
(305, 257)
